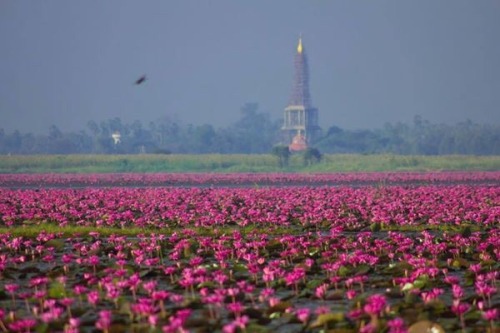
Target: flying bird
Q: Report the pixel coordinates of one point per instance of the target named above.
(140, 80)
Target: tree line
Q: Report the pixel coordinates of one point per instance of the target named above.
(254, 133)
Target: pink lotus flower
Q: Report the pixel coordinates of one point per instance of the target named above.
(22, 325)
(72, 326)
(375, 304)
(93, 297)
(236, 308)
(457, 291)
(397, 325)
(491, 315)
(303, 314)
(240, 322)
(104, 321)
(368, 328)
(320, 291)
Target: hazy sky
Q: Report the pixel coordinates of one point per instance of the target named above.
(67, 62)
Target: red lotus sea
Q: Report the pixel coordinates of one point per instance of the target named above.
(367, 252)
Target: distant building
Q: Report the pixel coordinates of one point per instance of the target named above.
(300, 126)
(117, 137)
(298, 143)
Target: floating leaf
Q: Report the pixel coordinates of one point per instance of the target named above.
(56, 290)
(305, 293)
(57, 244)
(42, 328)
(207, 284)
(256, 328)
(239, 267)
(466, 232)
(197, 320)
(55, 272)
(275, 315)
(273, 245)
(362, 269)
(324, 319)
(460, 263)
(280, 307)
(187, 252)
(335, 295)
(473, 315)
(325, 224)
(343, 271)
(419, 284)
(425, 326)
(407, 286)
(253, 313)
(437, 306)
(397, 269)
(311, 284)
(421, 281)
(394, 293)
(120, 327)
(469, 281)
(125, 308)
(145, 273)
(313, 251)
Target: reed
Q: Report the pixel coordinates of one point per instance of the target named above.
(240, 163)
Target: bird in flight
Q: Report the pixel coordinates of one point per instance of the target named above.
(140, 80)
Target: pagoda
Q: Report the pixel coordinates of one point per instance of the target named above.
(300, 125)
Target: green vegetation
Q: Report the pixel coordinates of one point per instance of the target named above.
(282, 153)
(31, 231)
(311, 156)
(254, 133)
(240, 163)
(34, 230)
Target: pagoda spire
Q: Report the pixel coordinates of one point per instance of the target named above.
(300, 91)
(300, 118)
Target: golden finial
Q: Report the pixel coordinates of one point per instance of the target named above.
(299, 47)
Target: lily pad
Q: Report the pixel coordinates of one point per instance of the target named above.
(311, 284)
(344, 271)
(289, 328)
(460, 263)
(280, 307)
(341, 330)
(253, 327)
(57, 244)
(56, 290)
(324, 319)
(362, 269)
(425, 326)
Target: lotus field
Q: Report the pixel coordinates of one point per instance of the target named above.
(250, 253)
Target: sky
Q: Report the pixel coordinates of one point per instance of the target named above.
(65, 62)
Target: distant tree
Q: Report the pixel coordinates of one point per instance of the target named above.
(311, 156)
(345, 141)
(335, 130)
(55, 133)
(14, 142)
(282, 153)
(30, 144)
(203, 137)
(93, 127)
(254, 132)
(166, 133)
